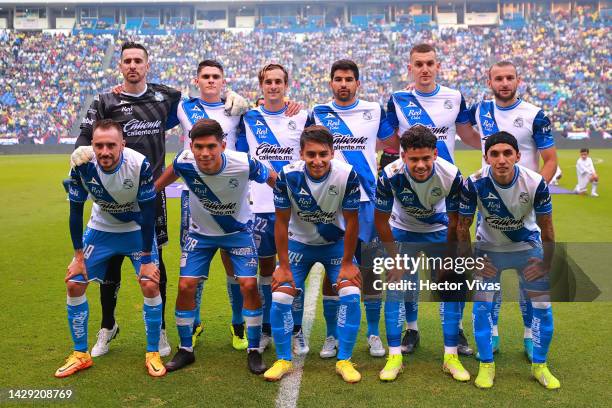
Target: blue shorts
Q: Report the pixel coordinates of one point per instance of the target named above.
(185, 214)
(263, 233)
(367, 228)
(199, 251)
(516, 260)
(302, 257)
(100, 246)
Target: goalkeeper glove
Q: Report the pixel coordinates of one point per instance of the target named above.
(235, 105)
(81, 155)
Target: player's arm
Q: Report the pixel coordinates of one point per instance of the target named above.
(168, 177)
(468, 201)
(260, 173)
(545, 143)
(350, 211)
(83, 151)
(146, 201)
(387, 137)
(77, 196)
(382, 213)
(452, 202)
(282, 205)
(463, 125)
(549, 167)
(542, 205)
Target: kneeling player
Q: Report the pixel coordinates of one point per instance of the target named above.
(120, 182)
(585, 173)
(317, 202)
(417, 198)
(515, 232)
(218, 182)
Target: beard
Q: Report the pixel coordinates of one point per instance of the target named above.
(501, 98)
(345, 96)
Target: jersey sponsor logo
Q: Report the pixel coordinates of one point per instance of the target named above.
(115, 208)
(197, 116)
(135, 127)
(88, 121)
(294, 258)
(518, 122)
(348, 142)
(367, 115)
(241, 251)
(488, 126)
(123, 102)
(418, 212)
(270, 152)
(304, 201)
(318, 216)
(128, 110)
(91, 111)
(504, 223)
(216, 208)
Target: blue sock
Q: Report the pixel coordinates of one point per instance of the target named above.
(152, 314)
(265, 292)
(253, 319)
(184, 324)
(330, 312)
(236, 300)
(349, 317)
(412, 312)
(281, 320)
(78, 317)
(297, 309)
(395, 314)
(542, 330)
(198, 302)
(372, 308)
(450, 315)
(526, 309)
(483, 330)
(497, 299)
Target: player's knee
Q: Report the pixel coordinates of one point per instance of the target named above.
(149, 288)
(187, 286)
(75, 288)
(248, 286)
(267, 265)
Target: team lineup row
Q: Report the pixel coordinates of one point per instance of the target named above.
(272, 139)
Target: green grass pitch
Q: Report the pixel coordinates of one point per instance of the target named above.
(34, 338)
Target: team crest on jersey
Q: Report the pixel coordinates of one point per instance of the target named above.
(448, 104)
(127, 184)
(291, 125)
(367, 115)
(518, 122)
(523, 198)
(333, 190)
(436, 191)
(233, 182)
(158, 97)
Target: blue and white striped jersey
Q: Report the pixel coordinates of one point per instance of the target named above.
(439, 110)
(317, 205)
(219, 203)
(419, 206)
(356, 129)
(508, 213)
(116, 194)
(274, 140)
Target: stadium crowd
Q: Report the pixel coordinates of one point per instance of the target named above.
(566, 67)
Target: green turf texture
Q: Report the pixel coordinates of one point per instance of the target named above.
(34, 339)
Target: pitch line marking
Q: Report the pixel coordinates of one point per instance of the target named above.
(290, 384)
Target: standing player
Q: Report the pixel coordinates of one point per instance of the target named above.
(145, 111)
(317, 202)
(356, 125)
(218, 181)
(274, 139)
(417, 198)
(585, 173)
(531, 127)
(119, 180)
(443, 110)
(515, 232)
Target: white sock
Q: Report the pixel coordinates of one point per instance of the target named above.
(189, 349)
(527, 333)
(395, 350)
(460, 325)
(594, 187)
(412, 325)
(495, 332)
(450, 350)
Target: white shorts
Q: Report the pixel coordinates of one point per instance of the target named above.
(583, 181)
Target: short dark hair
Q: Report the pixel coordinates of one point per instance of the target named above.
(418, 137)
(209, 63)
(501, 64)
(422, 48)
(206, 127)
(270, 67)
(107, 124)
(130, 44)
(344, 64)
(501, 137)
(316, 134)
(584, 150)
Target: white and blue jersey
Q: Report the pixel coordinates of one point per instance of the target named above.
(508, 213)
(317, 205)
(116, 194)
(440, 110)
(219, 203)
(191, 110)
(273, 139)
(419, 206)
(355, 129)
(526, 122)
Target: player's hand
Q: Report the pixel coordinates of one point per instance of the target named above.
(293, 108)
(271, 181)
(117, 89)
(534, 269)
(76, 268)
(81, 155)
(149, 271)
(281, 276)
(349, 272)
(411, 86)
(489, 270)
(235, 105)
